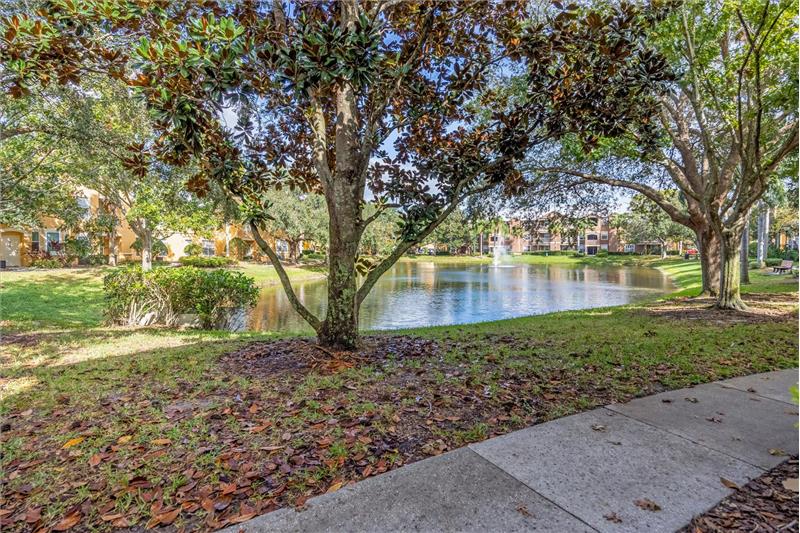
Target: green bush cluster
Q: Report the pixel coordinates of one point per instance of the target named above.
(770, 262)
(200, 261)
(46, 263)
(193, 249)
(549, 252)
(158, 247)
(163, 293)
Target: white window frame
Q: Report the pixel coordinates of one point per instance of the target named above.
(208, 246)
(37, 241)
(630, 248)
(603, 235)
(47, 241)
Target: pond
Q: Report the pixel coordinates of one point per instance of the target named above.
(417, 294)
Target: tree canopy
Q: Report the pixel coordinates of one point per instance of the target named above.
(338, 97)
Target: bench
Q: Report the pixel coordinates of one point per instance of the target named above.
(786, 266)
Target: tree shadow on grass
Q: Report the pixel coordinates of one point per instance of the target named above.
(67, 301)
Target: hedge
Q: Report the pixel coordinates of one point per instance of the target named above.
(200, 261)
(158, 296)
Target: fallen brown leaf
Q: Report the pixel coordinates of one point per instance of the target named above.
(72, 442)
(728, 483)
(521, 509)
(168, 517)
(333, 488)
(68, 522)
(647, 505)
(33, 515)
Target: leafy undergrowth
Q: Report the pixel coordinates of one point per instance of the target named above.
(767, 503)
(111, 428)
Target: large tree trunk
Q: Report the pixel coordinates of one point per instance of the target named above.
(729, 296)
(146, 237)
(112, 247)
(709, 247)
(340, 327)
(762, 245)
(663, 249)
(744, 259)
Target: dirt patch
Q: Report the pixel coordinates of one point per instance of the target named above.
(764, 504)
(761, 308)
(273, 357)
(23, 340)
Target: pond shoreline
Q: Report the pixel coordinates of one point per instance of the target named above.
(416, 293)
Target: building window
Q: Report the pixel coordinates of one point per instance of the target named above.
(208, 247)
(630, 248)
(34, 241)
(53, 239)
(603, 235)
(83, 203)
(591, 237)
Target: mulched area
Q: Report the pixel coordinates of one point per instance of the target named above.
(275, 423)
(309, 421)
(764, 504)
(768, 307)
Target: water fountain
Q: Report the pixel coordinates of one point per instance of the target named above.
(499, 251)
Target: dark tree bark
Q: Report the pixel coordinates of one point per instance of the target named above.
(112, 247)
(146, 236)
(729, 296)
(744, 259)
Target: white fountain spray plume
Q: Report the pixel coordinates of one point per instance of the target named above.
(499, 249)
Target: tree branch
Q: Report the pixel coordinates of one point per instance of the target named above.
(298, 306)
(653, 194)
(404, 246)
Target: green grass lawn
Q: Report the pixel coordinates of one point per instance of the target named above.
(73, 298)
(265, 275)
(120, 425)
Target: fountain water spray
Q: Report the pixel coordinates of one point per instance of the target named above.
(499, 249)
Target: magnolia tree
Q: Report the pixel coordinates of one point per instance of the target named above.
(349, 96)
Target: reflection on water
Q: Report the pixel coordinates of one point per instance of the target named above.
(416, 294)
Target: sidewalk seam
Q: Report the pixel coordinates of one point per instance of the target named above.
(545, 498)
(684, 437)
(727, 387)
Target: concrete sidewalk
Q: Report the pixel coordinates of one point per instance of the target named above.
(579, 473)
